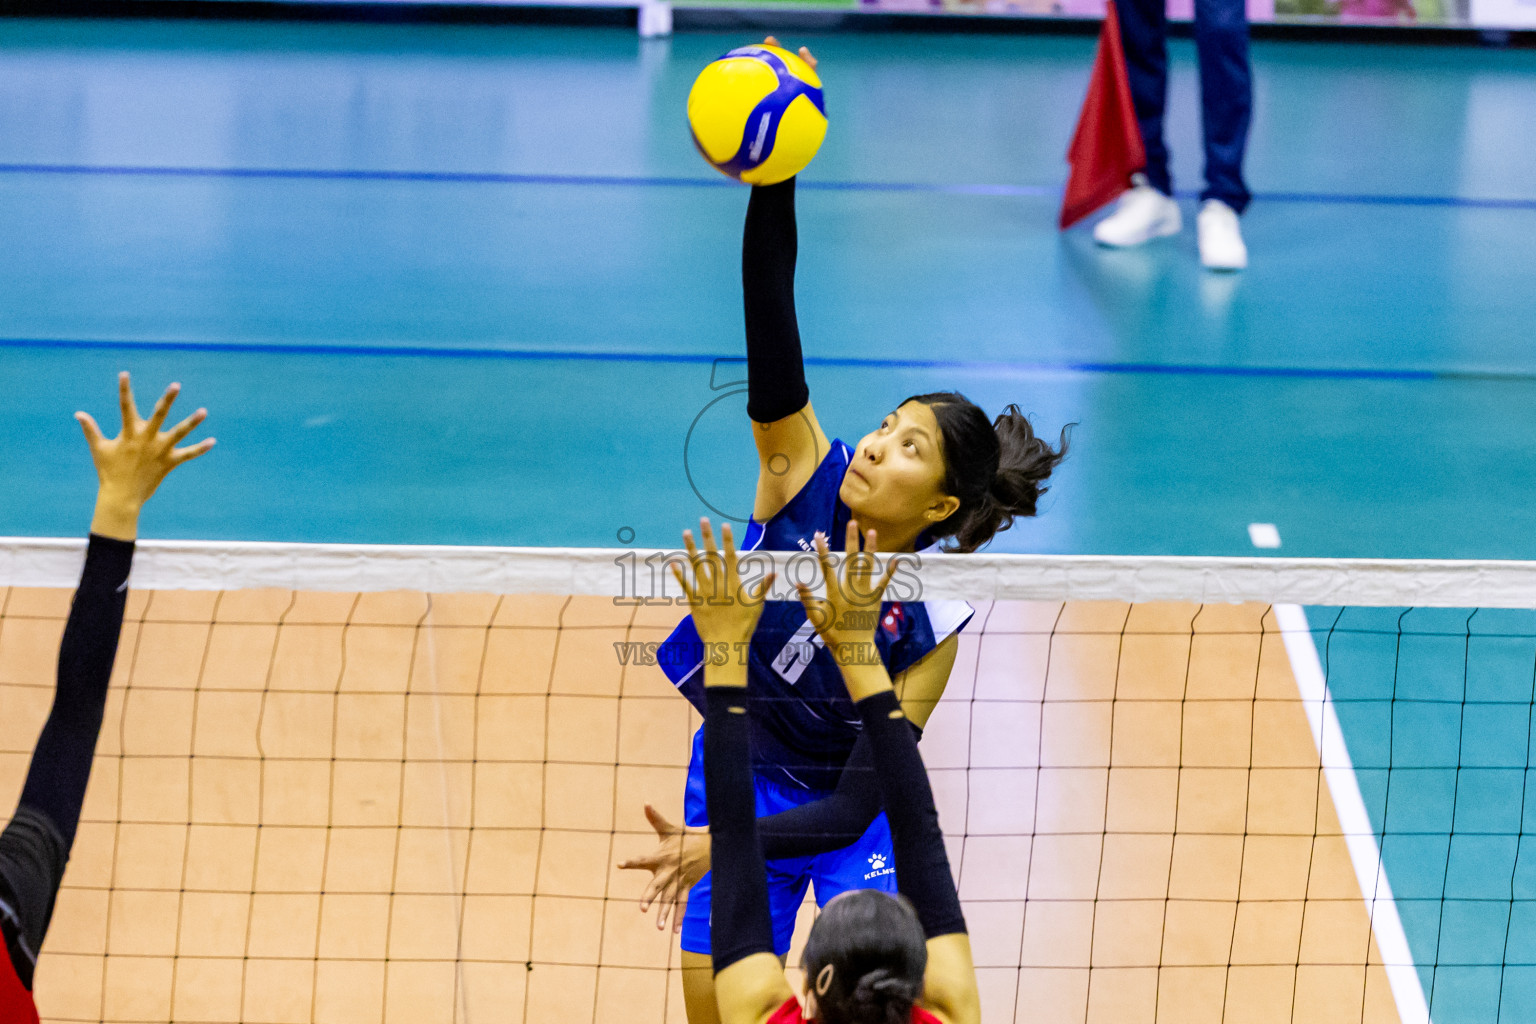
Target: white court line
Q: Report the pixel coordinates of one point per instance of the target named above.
(1359, 835)
(1264, 535)
(458, 886)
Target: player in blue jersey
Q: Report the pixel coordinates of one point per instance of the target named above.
(936, 474)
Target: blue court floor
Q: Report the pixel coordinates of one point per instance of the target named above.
(466, 285)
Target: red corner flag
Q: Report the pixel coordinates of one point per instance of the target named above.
(1106, 148)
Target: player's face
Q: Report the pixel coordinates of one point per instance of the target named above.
(897, 472)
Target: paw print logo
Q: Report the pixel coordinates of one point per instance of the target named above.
(877, 867)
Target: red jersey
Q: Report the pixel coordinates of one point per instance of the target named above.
(789, 1013)
(16, 1005)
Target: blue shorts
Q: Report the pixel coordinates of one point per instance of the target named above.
(868, 863)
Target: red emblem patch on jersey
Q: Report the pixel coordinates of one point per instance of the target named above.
(895, 617)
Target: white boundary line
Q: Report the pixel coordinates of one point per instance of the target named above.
(457, 885)
(1359, 835)
(352, 568)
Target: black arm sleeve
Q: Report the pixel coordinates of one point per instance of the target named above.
(922, 866)
(740, 923)
(34, 847)
(61, 762)
(775, 367)
(832, 822)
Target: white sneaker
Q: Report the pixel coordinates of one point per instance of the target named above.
(1221, 240)
(1141, 214)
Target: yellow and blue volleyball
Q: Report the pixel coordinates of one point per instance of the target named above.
(757, 114)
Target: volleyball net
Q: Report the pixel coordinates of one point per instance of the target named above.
(392, 784)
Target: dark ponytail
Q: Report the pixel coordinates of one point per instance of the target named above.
(997, 470)
(864, 959)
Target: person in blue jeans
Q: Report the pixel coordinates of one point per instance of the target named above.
(1147, 210)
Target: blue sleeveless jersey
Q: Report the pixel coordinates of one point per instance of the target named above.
(803, 723)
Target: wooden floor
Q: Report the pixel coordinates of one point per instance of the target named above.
(342, 808)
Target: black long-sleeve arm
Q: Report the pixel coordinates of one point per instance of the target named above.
(834, 821)
(35, 844)
(740, 923)
(922, 866)
(776, 385)
(61, 762)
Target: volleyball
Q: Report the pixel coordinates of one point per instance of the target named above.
(757, 114)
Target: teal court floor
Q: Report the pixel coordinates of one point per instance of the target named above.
(1435, 706)
(470, 286)
(466, 285)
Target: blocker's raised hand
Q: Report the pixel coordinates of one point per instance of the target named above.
(130, 466)
(846, 618)
(724, 611)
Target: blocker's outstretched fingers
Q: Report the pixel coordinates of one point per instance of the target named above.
(93, 435)
(817, 610)
(851, 537)
(177, 433)
(126, 404)
(727, 542)
(715, 582)
(181, 455)
(761, 591)
(682, 581)
(859, 563)
(163, 408)
(824, 557)
(886, 577)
